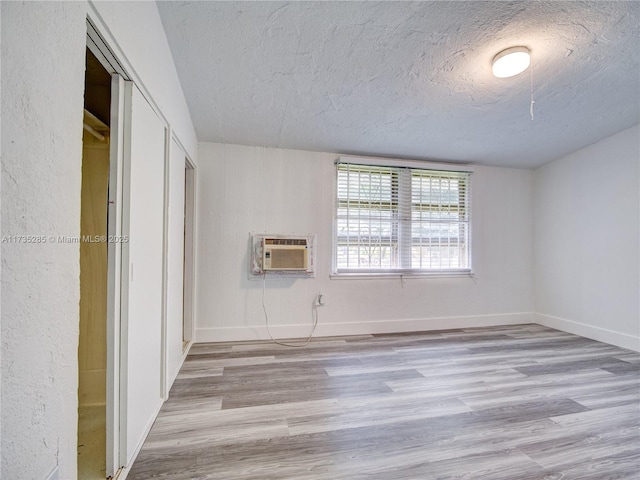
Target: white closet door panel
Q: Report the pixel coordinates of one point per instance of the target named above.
(175, 260)
(145, 226)
(114, 273)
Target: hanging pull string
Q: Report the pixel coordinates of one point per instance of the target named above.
(266, 318)
(532, 100)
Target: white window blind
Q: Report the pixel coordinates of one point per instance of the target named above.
(397, 219)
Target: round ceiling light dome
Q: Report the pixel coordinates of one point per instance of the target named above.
(511, 62)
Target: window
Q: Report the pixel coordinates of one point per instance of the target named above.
(401, 220)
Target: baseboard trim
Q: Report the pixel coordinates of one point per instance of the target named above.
(612, 337)
(174, 375)
(259, 332)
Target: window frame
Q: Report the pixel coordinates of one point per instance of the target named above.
(403, 167)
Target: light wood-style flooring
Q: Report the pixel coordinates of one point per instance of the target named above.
(502, 403)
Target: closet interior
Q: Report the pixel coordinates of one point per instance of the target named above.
(92, 348)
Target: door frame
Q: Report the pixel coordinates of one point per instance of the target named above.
(189, 293)
(175, 153)
(97, 45)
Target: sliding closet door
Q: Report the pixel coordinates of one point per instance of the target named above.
(175, 261)
(114, 274)
(142, 271)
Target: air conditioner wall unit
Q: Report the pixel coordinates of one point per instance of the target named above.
(285, 254)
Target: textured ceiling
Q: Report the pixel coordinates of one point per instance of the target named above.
(408, 79)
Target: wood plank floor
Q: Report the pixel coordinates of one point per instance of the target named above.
(513, 403)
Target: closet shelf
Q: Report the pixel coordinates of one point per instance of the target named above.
(95, 126)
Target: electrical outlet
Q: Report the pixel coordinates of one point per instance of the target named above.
(320, 300)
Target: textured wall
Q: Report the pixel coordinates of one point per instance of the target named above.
(587, 240)
(245, 189)
(43, 55)
(42, 93)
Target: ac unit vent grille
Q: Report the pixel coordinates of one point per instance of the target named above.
(285, 253)
(285, 241)
(288, 259)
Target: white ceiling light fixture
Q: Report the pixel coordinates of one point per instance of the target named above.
(511, 62)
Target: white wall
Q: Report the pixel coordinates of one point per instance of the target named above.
(253, 189)
(43, 55)
(587, 241)
(41, 176)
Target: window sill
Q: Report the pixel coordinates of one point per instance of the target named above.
(399, 275)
